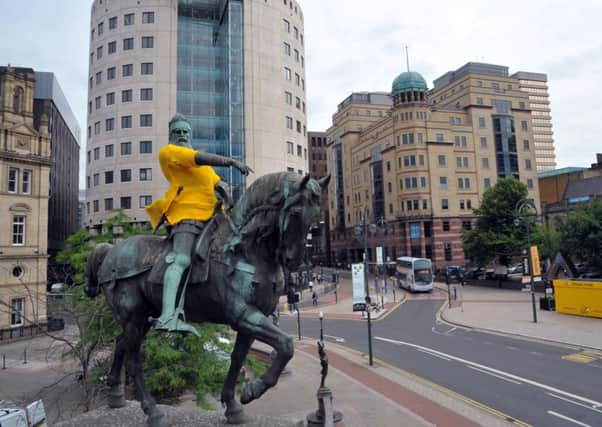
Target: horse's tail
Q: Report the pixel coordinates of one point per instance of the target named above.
(95, 258)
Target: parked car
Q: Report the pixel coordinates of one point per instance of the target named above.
(477, 273)
(515, 269)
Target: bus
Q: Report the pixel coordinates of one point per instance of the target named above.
(415, 274)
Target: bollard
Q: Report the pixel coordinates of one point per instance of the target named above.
(4, 361)
(298, 321)
(24, 356)
(455, 293)
(382, 301)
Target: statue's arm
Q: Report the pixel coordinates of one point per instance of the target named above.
(223, 191)
(207, 159)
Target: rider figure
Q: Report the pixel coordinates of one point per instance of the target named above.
(188, 204)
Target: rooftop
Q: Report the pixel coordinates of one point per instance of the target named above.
(561, 171)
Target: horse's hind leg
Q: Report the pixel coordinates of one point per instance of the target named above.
(234, 413)
(116, 399)
(258, 326)
(134, 335)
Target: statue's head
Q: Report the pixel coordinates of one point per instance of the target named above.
(180, 131)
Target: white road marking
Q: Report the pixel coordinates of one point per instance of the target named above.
(451, 330)
(496, 371)
(564, 417)
(337, 339)
(593, 408)
(433, 354)
(509, 347)
(493, 375)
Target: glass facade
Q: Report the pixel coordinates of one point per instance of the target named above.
(505, 147)
(210, 79)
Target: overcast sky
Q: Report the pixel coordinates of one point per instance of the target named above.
(358, 46)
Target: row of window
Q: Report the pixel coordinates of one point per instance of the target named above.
(127, 95)
(127, 70)
(144, 147)
(288, 75)
(300, 128)
(298, 57)
(288, 99)
(301, 152)
(146, 42)
(17, 176)
(145, 120)
(128, 19)
(144, 174)
(124, 203)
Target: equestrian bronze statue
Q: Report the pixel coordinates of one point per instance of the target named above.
(235, 278)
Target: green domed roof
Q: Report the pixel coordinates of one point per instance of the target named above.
(408, 81)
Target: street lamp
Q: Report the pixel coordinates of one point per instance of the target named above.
(522, 211)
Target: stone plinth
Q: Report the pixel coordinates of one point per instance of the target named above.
(132, 416)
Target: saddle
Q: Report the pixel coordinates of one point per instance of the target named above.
(139, 254)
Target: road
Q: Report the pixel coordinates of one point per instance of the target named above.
(530, 381)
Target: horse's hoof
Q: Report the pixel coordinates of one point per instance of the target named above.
(238, 417)
(117, 401)
(157, 420)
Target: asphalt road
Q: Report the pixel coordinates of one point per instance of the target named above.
(529, 381)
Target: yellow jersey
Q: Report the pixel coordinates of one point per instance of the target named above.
(197, 198)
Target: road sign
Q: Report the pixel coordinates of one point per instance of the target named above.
(379, 255)
(535, 261)
(359, 289)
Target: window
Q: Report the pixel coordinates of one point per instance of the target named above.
(148, 17)
(18, 230)
(289, 122)
(467, 183)
(96, 179)
(26, 182)
(521, 105)
(296, 56)
(126, 175)
(109, 124)
(460, 183)
(13, 180)
(146, 120)
(112, 47)
(290, 147)
(97, 153)
(110, 98)
(441, 159)
(527, 164)
(495, 86)
(97, 102)
(479, 101)
(464, 141)
(443, 182)
(287, 49)
(526, 144)
(148, 42)
(422, 182)
(297, 102)
(146, 147)
(458, 162)
(125, 202)
(17, 311)
(95, 206)
(468, 205)
(91, 86)
(109, 150)
(109, 204)
(445, 225)
(98, 77)
(99, 52)
(146, 174)
(487, 183)
(112, 23)
(462, 204)
(298, 126)
(128, 19)
(297, 79)
(485, 162)
(287, 73)
(523, 125)
(126, 95)
(146, 68)
(145, 201)
(440, 137)
(127, 70)
(530, 184)
(288, 98)
(109, 177)
(97, 128)
(126, 148)
(299, 151)
(296, 33)
(481, 122)
(444, 204)
(128, 44)
(483, 142)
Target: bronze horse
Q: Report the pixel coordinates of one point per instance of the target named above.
(239, 284)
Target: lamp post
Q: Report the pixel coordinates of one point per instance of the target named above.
(522, 208)
(366, 285)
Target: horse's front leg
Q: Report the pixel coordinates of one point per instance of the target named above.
(234, 413)
(258, 326)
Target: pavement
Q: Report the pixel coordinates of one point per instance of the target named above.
(511, 312)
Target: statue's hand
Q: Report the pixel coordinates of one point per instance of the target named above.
(244, 169)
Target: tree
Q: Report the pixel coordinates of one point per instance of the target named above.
(581, 234)
(495, 234)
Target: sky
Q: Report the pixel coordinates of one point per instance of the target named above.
(359, 46)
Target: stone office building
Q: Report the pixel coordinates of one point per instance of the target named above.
(25, 160)
(417, 161)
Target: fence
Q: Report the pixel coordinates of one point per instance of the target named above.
(22, 332)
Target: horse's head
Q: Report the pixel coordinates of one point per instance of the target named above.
(301, 209)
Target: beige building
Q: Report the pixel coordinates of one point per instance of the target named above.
(417, 161)
(536, 86)
(235, 69)
(25, 160)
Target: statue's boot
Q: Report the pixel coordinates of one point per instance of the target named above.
(175, 323)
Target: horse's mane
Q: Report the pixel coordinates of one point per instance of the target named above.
(256, 212)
